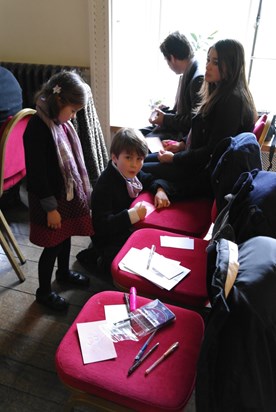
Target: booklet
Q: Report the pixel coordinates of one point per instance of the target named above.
(151, 316)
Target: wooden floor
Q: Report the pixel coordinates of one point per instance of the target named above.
(30, 333)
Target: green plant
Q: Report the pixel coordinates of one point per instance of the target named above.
(200, 42)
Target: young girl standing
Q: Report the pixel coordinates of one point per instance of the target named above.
(57, 182)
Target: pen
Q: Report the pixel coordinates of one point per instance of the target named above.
(163, 357)
(151, 256)
(126, 298)
(132, 298)
(122, 321)
(144, 347)
(138, 363)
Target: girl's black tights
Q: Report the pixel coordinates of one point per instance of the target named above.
(46, 264)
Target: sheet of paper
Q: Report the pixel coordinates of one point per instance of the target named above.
(115, 313)
(162, 281)
(177, 242)
(95, 345)
(167, 267)
(150, 208)
(154, 144)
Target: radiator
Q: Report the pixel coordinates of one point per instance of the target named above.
(32, 76)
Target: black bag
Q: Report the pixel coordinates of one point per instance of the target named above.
(233, 156)
(237, 364)
(251, 208)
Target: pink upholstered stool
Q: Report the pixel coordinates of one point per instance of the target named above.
(106, 385)
(190, 292)
(191, 217)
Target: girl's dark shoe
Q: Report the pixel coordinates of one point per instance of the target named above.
(74, 278)
(52, 300)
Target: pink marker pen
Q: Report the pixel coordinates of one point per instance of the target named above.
(132, 298)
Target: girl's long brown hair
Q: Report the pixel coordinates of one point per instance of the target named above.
(231, 64)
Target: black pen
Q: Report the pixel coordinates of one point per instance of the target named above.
(126, 297)
(138, 363)
(144, 347)
(122, 321)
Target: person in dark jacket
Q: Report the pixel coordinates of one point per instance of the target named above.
(176, 122)
(119, 184)
(226, 109)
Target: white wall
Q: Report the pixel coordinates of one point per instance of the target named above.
(62, 32)
(44, 31)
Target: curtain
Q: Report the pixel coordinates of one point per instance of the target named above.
(92, 140)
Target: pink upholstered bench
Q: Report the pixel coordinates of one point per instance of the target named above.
(191, 217)
(190, 292)
(105, 384)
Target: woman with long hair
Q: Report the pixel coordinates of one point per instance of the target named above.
(226, 109)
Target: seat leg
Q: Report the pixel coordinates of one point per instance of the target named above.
(11, 258)
(11, 238)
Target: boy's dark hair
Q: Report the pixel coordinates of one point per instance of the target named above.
(129, 140)
(63, 89)
(177, 44)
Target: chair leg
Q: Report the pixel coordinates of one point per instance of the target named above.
(5, 245)
(11, 238)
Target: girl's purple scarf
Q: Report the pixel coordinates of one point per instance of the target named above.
(70, 157)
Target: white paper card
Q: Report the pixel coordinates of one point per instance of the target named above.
(177, 242)
(115, 313)
(154, 144)
(95, 345)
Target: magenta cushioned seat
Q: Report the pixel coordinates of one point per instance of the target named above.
(191, 291)
(259, 126)
(191, 217)
(167, 388)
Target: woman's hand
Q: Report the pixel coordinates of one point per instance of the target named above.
(157, 117)
(165, 156)
(161, 199)
(173, 146)
(54, 219)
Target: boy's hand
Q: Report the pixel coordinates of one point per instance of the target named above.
(161, 199)
(54, 219)
(141, 210)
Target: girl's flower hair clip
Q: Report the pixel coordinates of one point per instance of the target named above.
(56, 89)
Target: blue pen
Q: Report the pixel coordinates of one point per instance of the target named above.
(144, 347)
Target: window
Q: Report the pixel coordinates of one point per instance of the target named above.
(262, 74)
(138, 73)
